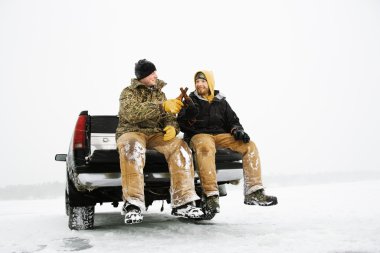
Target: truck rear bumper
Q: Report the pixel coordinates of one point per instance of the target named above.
(95, 180)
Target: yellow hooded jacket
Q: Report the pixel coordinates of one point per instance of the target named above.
(210, 81)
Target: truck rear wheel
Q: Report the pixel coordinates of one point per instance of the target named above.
(81, 217)
(67, 203)
(80, 210)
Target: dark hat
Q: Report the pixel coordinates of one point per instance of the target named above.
(144, 68)
(200, 75)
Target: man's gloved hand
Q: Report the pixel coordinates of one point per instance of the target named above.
(172, 105)
(169, 133)
(239, 134)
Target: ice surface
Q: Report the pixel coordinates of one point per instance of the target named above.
(334, 217)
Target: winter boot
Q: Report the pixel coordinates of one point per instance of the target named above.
(211, 205)
(188, 211)
(132, 214)
(259, 198)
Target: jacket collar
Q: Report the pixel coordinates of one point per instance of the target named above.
(136, 83)
(218, 96)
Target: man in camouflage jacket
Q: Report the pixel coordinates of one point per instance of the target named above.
(147, 120)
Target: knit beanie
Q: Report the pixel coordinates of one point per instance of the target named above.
(144, 68)
(200, 75)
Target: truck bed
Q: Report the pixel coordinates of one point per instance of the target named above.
(102, 167)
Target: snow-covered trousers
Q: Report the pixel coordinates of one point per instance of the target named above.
(132, 147)
(204, 146)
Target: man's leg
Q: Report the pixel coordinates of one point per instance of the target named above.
(179, 159)
(204, 148)
(131, 148)
(253, 187)
(251, 160)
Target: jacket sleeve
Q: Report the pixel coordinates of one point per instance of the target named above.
(233, 121)
(187, 115)
(170, 120)
(134, 111)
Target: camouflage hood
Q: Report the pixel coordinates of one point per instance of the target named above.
(136, 83)
(140, 109)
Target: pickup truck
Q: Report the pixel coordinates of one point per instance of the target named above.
(93, 171)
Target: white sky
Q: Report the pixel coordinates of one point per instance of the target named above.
(303, 76)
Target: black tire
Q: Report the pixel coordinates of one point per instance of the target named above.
(67, 203)
(81, 217)
(81, 211)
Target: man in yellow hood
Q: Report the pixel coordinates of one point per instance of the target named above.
(211, 122)
(206, 84)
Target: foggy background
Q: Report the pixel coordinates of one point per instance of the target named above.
(303, 76)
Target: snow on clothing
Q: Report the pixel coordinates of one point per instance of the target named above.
(204, 146)
(207, 125)
(141, 124)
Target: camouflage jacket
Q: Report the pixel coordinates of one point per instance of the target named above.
(140, 110)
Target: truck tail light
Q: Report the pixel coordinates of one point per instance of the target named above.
(80, 132)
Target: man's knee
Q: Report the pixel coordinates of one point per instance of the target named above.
(203, 144)
(178, 144)
(206, 150)
(250, 148)
(182, 146)
(132, 149)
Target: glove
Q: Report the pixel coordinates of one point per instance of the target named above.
(169, 133)
(239, 134)
(172, 105)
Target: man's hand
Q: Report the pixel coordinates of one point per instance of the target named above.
(169, 133)
(239, 134)
(186, 99)
(172, 105)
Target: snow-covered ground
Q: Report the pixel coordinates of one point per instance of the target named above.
(332, 217)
